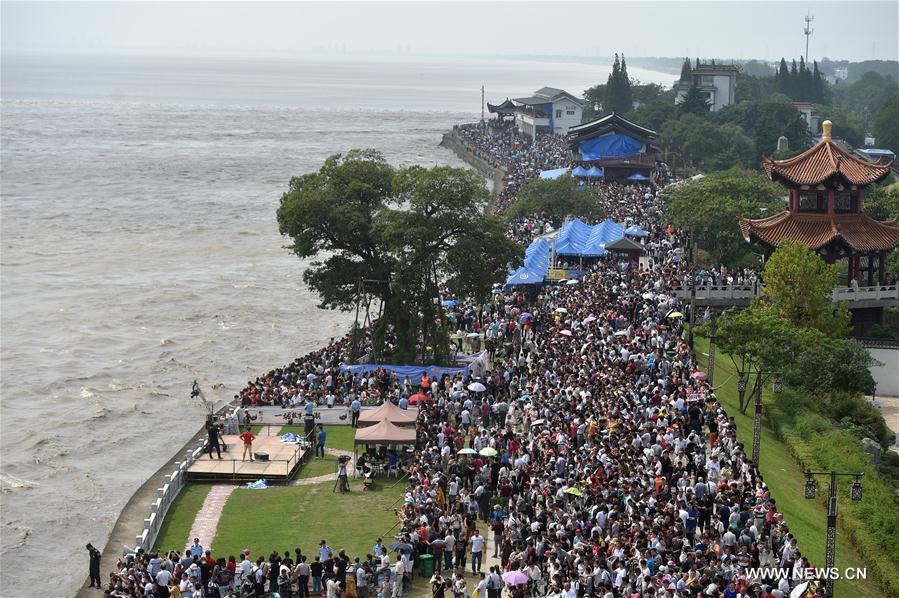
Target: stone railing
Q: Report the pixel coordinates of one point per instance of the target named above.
(724, 293)
(165, 496)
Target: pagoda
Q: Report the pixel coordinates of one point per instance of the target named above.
(826, 185)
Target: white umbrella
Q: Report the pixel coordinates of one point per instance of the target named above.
(572, 281)
(472, 335)
(468, 451)
(561, 310)
(476, 387)
(565, 332)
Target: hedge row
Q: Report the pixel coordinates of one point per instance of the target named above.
(872, 524)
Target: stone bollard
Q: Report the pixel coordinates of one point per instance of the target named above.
(873, 448)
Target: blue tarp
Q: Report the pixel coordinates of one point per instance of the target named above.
(635, 231)
(595, 172)
(525, 276)
(553, 174)
(537, 256)
(579, 171)
(579, 239)
(414, 372)
(638, 177)
(613, 145)
(257, 485)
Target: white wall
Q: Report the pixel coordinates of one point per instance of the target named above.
(887, 375)
(562, 123)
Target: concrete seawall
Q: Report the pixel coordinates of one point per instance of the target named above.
(493, 173)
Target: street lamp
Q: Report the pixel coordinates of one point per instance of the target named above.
(757, 423)
(855, 493)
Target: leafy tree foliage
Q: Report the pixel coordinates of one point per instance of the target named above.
(886, 125)
(555, 199)
(798, 284)
(709, 210)
(619, 96)
(766, 120)
(702, 144)
(892, 264)
(694, 102)
(881, 203)
(832, 364)
(402, 231)
(655, 113)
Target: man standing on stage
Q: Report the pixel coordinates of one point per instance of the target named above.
(247, 438)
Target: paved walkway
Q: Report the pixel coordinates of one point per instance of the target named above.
(207, 520)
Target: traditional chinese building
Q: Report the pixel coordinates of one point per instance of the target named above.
(621, 148)
(824, 211)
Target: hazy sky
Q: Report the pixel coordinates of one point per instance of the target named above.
(767, 30)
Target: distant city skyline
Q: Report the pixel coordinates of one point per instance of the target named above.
(739, 30)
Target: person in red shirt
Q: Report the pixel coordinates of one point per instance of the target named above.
(248, 438)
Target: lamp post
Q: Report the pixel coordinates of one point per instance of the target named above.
(713, 335)
(757, 422)
(855, 493)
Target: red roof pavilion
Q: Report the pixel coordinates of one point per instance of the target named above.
(824, 212)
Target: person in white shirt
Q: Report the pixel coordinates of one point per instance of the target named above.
(398, 572)
(477, 551)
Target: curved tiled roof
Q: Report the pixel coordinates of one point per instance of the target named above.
(824, 161)
(859, 231)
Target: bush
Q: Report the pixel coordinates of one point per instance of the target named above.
(854, 412)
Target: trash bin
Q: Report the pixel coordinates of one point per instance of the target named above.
(426, 565)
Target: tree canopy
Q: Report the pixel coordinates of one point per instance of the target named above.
(709, 210)
(706, 146)
(554, 199)
(619, 96)
(403, 232)
(798, 284)
(881, 203)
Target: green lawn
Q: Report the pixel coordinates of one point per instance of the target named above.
(315, 467)
(339, 437)
(286, 517)
(806, 518)
(180, 518)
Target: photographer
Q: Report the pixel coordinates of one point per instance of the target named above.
(214, 433)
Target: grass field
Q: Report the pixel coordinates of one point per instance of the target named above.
(180, 518)
(806, 518)
(315, 467)
(286, 517)
(339, 437)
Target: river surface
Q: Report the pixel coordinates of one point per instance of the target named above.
(139, 251)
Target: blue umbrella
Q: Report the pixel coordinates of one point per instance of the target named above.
(450, 303)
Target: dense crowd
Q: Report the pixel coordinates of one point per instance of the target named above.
(616, 471)
(521, 158)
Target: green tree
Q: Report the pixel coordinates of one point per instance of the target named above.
(694, 102)
(596, 98)
(832, 364)
(892, 264)
(709, 210)
(655, 113)
(404, 232)
(618, 97)
(702, 144)
(757, 339)
(881, 203)
(886, 125)
(554, 199)
(766, 120)
(798, 284)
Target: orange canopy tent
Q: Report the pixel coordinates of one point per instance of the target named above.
(389, 412)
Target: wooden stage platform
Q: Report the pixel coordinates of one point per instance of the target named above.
(284, 461)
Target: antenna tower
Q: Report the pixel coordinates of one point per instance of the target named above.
(808, 32)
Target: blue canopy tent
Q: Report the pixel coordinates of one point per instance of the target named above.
(612, 145)
(579, 171)
(553, 174)
(638, 177)
(595, 172)
(537, 256)
(524, 276)
(582, 240)
(635, 231)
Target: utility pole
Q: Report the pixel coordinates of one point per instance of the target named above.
(757, 421)
(808, 32)
(482, 104)
(855, 493)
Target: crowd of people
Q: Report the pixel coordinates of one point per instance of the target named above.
(518, 156)
(614, 470)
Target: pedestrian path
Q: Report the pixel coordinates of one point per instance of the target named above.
(207, 520)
